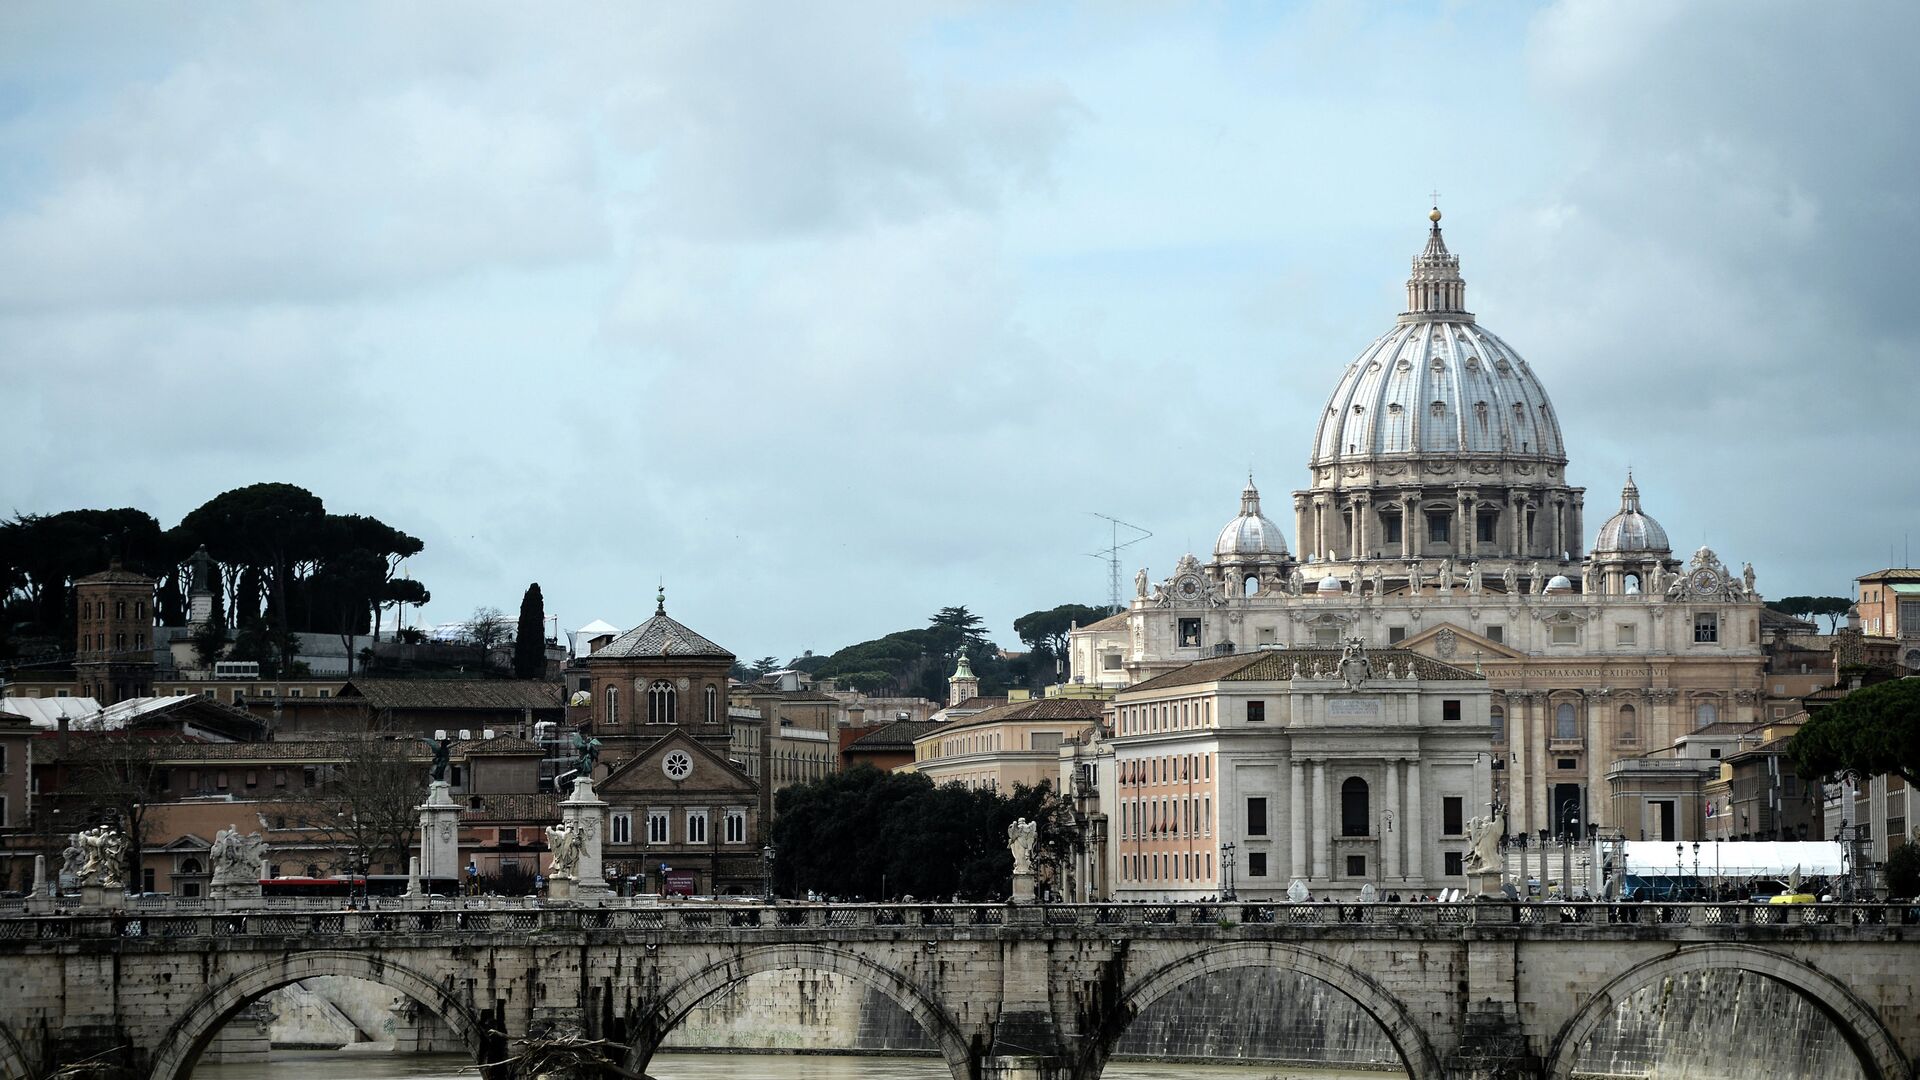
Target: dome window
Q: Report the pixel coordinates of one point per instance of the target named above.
(1394, 409)
(1473, 363)
(1358, 409)
(1503, 367)
(1439, 409)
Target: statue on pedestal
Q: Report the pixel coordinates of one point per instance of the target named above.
(588, 749)
(1484, 856)
(236, 859)
(1021, 836)
(442, 751)
(563, 841)
(103, 856)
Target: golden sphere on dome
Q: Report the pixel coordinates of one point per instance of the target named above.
(1435, 216)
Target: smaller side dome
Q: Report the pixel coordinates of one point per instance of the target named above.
(1631, 530)
(1559, 583)
(1329, 586)
(1252, 535)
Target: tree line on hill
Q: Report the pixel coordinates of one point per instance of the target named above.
(280, 564)
(917, 662)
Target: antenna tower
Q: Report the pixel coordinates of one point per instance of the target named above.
(1111, 554)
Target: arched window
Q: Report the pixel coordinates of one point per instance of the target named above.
(189, 865)
(1565, 724)
(613, 705)
(1497, 717)
(660, 702)
(713, 704)
(1353, 807)
(119, 609)
(1252, 585)
(1703, 714)
(1632, 584)
(1629, 723)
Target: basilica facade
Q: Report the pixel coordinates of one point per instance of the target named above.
(1439, 518)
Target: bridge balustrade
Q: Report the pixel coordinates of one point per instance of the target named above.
(148, 921)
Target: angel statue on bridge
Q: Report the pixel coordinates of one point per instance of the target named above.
(1484, 857)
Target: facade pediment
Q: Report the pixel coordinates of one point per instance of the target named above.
(650, 770)
(1456, 644)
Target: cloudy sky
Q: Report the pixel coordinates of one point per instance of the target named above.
(831, 315)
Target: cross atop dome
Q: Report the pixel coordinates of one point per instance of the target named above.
(1436, 287)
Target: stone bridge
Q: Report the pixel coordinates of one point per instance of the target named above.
(1462, 990)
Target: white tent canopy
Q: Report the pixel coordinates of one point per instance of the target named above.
(1736, 858)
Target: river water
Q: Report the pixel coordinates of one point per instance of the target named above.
(349, 1065)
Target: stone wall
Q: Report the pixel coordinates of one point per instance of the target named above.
(800, 1011)
(1719, 1025)
(1259, 1015)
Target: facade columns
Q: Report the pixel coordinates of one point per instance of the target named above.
(1519, 762)
(1297, 821)
(1560, 545)
(1416, 845)
(1412, 522)
(1517, 524)
(1320, 830)
(1301, 519)
(1362, 506)
(1389, 842)
(1466, 524)
(1598, 751)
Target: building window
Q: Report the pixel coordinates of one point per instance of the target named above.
(1565, 633)
(1396, 634)
(1326, 637)
(1624, 634)
(1256, 712)
(736, 826)
(656, 826)
(661, 702)
(1489, 523)
(1706, 628)
(1450, 710)
(1629, 723)
(1356, 866)
(613, 706)
(1256, 817)
(1110, 661)
(1439, 526)
(1256, 864)
(1455, 866)
(1189, 633)
(1497, 719)
(326, 693)
(696, 826)
(1354, 814)
(1453, 816)
(713, 704)
(1496, 634)
(1390, 528)
(1566, 726)
(1705, 713)
(620, 828)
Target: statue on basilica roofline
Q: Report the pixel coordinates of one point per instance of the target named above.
(1413, 575)
(1536, 581)
(1296, 581)
(1510, 579)
(1746, 578)
(1446, 575)
(1473, 578)
(1140, 584)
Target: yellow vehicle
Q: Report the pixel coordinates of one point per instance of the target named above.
(1791, 898)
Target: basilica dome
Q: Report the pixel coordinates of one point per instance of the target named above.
(1630, 530)
(1438, 383)
(1252, 536)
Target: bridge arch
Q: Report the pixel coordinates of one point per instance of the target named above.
(1415, 1049)
(1856, 1021)
(13, 1058)
(173, 1059)
(691, 991)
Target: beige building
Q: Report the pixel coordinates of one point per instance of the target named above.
(1005, 746)
(1439, 518)
(1336, 769)
(1889, 607)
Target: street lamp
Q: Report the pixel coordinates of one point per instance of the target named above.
(1226, 864)
(1386, 818)
(1569, 827)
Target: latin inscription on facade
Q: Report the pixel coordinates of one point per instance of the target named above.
(1346, 706)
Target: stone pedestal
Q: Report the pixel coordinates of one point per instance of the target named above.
(1022, 887)
(440, 833)
(584, 810)
(1485, 883)
(413, 876)
(111, 897)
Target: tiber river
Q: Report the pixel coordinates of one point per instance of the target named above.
(349, 1065)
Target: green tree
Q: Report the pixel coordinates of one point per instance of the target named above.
(764, 666)
(270, 528)
(1832, 608)
(1045, 632)
(1903, 870)
(1871, 732)
(530, 636)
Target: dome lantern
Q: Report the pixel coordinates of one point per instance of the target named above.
(1252, 536)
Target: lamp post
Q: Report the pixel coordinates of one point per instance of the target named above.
(1679, 869)
(766, 873)
(1226, 864)
(1386, 818)
(1569, 826)
(1696, 868)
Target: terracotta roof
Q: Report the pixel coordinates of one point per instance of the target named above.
(1276, 665)
(660, 636)
(1898, 573)
(758, 691)
(978, 703)
(898, 735)
(114, 575)
(514, 695)
(499, 745)
(1116, 621)
(525, 807)
(1040, 710)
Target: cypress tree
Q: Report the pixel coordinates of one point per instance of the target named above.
(530, 638)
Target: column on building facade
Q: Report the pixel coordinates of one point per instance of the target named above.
(1598, 715)
(1297, 820)
(1319, 527)
(1466, 524)
(1416, 843)
(1413, 522)
(1575, 527)
(1517, 523)
(1560, 545)
(1361, 526)
(1302, 518)
(1321, 834)
(1390, 841)
(1519, 756)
